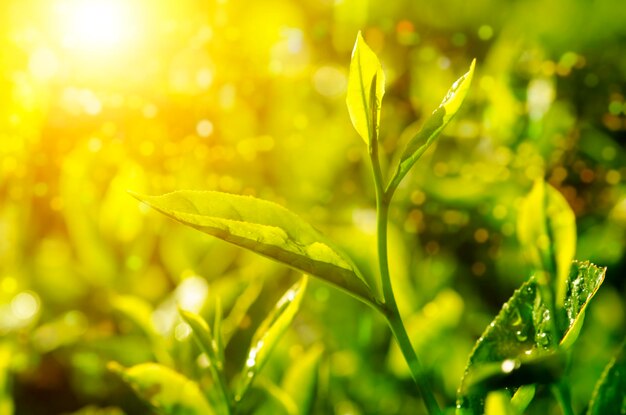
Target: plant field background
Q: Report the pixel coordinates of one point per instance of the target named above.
(248, 97)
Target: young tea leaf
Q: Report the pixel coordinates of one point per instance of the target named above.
(267, 229)
(433, 126)
(269, 333)
(168, 391)
(547, 232)
(610, 391)
(366, 87)
(522, 328)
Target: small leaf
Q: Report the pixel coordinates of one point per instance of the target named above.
(434, 125)
(366, 87)
(208, 345)
(547, 232)
(522, 328)
(265, 228)
(499, 403)
(168, 391)
(609, 396)
(269, 333)
(300, 381)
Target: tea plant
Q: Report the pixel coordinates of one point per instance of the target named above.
(527, 345)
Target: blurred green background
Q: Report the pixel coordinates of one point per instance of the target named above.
(97, 97)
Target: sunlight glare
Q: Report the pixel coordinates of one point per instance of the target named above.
(95, 25)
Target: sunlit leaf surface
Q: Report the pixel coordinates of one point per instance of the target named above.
(265, 228)
(366, 87)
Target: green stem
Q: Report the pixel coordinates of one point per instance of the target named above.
(391, 312)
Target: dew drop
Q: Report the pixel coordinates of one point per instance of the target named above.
(521, 336)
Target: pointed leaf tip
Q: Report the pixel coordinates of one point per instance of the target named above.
(366, 87)
(434, 125)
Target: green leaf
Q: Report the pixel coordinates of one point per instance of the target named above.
(366, 87)
(609, 396)
(300, 381)
(512, 373)
(522, 328)
(522, 397)
(168, 391)
(265, 228)
(499, 403)
(433, 126)
(269, 333)
(547, 232)
(208, 345)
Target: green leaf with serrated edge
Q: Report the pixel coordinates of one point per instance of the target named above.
(267, 229)
(300, 381)
(547, 233)
(522, 397)
(168, 391)
(499, 403)
(609, 395)
(269, 333)
(139, 312)
(434, 125)
(208, 345)
(366, 87)
(522, 328)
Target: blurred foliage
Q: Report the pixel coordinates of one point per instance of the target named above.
(249, 97)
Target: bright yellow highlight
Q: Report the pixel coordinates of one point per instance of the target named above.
(95, 25)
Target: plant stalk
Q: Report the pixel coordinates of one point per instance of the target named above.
(390, 310)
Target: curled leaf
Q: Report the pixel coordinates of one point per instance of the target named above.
(366, 87)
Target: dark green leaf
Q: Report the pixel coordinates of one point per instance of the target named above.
(265, 228)
(434, 125)
(269, 333)
(366, 87)
(609, 396)
(168, 391)
(522, 328)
